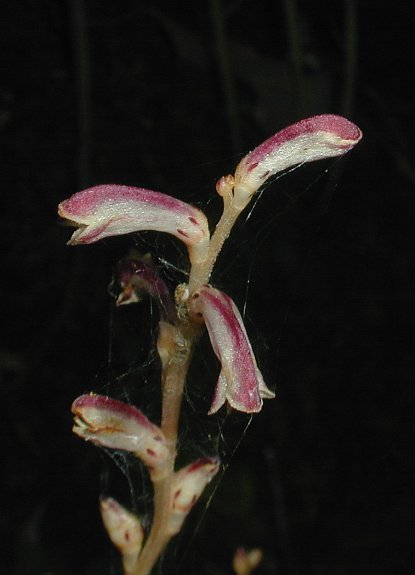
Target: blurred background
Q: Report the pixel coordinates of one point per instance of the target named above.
(170, 96)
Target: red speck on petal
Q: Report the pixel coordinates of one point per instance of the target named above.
(182, 233)
(151, 452)
(193, 220)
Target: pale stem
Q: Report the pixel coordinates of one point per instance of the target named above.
(200, 274)
(173, 380)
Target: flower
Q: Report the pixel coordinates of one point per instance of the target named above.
(124, 530)
(188, 485)
(137, 275)
(244, 562)
(113, 210)
(110, 423)
(240, 382)
(311, 139)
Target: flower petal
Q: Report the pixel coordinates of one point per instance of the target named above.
(240, 381)
(188, 485)
(112, 210)
(311, 139)
(124, 530)
(111, 423)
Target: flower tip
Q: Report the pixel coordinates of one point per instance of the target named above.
(339, 126)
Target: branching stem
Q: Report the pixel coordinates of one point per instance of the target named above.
(201, 275)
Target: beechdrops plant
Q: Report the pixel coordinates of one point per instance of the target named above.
(110, 210)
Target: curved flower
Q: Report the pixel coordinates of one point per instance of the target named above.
(124, 530)
(113, 210)
(111, 423)
(314, 138)
(240, 382)
(188, 485)
(136, 276)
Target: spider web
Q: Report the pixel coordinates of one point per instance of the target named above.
(132, 364)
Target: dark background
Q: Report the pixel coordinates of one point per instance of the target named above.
(170, 96)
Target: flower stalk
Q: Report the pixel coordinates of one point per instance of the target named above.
(110, 210)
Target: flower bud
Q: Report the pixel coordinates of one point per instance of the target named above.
(124, 530)
(245, 561)
(188, 485)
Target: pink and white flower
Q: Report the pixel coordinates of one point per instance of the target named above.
(124, 530)
(311, 139)
(113, 210)
(111, 423)
(188, 485)
(137, 276)
(240, 382)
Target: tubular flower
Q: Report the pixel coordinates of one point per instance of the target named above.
(136, 276)
(113, 210)
(110, 423)
(124, 530)
(188, 485)
(240, 382)
(314, 138)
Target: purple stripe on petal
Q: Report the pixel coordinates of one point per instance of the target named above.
(89, 200)
(240, 381)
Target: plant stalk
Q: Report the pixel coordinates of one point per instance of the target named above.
(201, 275)
(173, 380)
